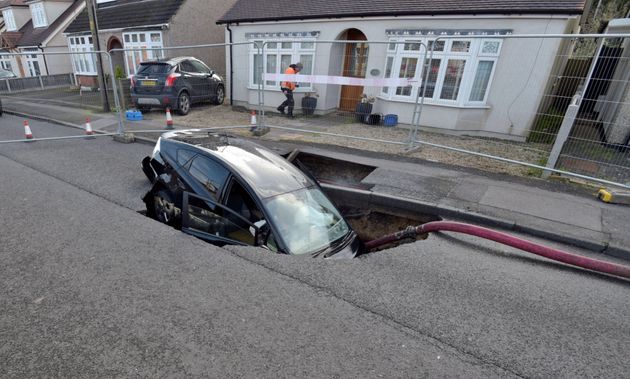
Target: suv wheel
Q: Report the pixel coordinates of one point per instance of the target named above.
(183, 103)
(220, 96)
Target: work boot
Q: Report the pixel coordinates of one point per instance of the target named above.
(290, 113)
(281, 110)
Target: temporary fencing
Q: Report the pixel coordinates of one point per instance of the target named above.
(525, 104)
(465, 99)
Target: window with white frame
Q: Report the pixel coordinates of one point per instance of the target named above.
(6, 62)
(141, 41)
(459, 73)
(9, 20)
(277, 57)
(39, 15)
(32, 63)
(83, 64)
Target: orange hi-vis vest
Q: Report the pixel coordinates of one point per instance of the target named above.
(289, 85)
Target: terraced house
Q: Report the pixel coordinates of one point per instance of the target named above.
(147, 24)
(480, 83)
(37, 26)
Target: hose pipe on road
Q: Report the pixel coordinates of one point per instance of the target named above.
(506, 239)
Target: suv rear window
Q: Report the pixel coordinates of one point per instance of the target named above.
(154, 68)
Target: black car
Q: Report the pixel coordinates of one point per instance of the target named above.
(231, 191)
(175, 83)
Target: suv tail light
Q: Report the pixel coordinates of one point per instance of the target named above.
(170, 80)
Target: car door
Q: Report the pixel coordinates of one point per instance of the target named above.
(194, 79)
(216, 223)
(208, 83)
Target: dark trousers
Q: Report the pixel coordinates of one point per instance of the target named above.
(289, 103)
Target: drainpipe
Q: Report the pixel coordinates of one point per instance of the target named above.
(45, 61)
(231, 71)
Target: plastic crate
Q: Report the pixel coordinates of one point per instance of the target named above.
(133, 115)
(390, 120)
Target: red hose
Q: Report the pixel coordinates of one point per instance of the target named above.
(506, 239)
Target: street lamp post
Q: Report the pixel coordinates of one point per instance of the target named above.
(91, 9)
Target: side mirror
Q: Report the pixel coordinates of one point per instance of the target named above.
(211, 73)
(262, 232)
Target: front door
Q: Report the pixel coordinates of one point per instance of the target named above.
(354, 66)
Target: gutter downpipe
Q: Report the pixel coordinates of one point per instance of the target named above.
(231, 70)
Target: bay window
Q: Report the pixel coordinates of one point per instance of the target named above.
(459, 72)
(141, 41)
(277, 57)
(82, 64)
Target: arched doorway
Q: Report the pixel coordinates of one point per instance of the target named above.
(354, 65)
(118, 60)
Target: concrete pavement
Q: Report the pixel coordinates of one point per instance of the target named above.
(558, 211)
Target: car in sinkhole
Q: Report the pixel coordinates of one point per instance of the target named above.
(228, 190)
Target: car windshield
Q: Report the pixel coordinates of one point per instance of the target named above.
(306, 220)
(153, 68)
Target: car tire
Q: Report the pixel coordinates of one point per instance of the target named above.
(143, 108)
(219, 96)
(164, 208)
(183, 103)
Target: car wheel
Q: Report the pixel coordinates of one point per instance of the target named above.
(143, 108)
(220, 96)
(183, 103)
(164, 207)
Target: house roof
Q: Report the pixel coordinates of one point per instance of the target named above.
(8, 40)
(273, 10)
(128, 14)
(32, 36)
(12, 3)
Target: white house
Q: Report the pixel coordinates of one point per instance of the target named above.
(36, 26)
(480, 83)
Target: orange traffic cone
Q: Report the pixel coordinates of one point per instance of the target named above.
(169, 119)
(88, 127)
(252, 120)
(28, 134)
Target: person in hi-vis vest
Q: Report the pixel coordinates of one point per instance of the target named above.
(287, 89)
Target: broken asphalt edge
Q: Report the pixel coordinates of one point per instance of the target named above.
(419, 206)
(358, 196)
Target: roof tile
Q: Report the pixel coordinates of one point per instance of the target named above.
(128, 14)
(255, 10)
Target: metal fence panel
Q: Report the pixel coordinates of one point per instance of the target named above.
(492, 102)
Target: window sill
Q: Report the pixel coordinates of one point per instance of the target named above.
(437, 104)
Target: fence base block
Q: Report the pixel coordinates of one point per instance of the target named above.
(125, 138)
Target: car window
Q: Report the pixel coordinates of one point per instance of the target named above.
(153, 68)
(186, 66)
(212, 219)
(242, 203)
(183, 156)
(200, 67)
(209, 173)
(6, 74)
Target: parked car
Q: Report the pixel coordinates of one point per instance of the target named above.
(227, 190)
(176, 83)
(6, 74)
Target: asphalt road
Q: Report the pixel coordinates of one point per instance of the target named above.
(89, 287)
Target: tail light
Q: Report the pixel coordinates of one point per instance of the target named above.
(170, 80)
(133, 81)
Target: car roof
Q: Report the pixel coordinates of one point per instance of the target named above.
(172, 61)
(266, 172)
